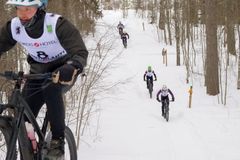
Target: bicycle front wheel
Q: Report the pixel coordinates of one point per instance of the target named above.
(5, 133)
(167, 113)
(150, 88)
(167, 116)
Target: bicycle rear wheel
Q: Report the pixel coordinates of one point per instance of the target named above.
(5, 135)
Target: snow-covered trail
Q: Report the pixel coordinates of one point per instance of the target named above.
(131, 126)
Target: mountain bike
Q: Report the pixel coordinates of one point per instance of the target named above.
(13, 133)
(150, 87)
(124, 42)
(166, 109)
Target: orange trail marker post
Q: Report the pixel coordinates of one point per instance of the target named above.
(190, 91)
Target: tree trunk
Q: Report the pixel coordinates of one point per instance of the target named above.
(238, 82)
(162, 15)
(212, 75)
(230, 28)
(168, 4)
(177, 30)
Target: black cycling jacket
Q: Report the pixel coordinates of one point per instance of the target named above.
(67, 34)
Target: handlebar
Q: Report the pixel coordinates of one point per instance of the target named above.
(168, 101)
(11, 75)
(149, 80)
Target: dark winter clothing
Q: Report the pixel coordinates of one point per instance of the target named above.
(124, 37)
(164, 96)
(148, 75)
(120, 27)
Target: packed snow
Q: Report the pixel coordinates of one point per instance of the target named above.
(129, 125)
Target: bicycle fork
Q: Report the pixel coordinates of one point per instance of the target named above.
(19, 132)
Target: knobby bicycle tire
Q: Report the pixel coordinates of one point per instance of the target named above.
(5, 135)
(69, 138)
(71, 143)
(166, 113)
(167, 116)
(150, 88)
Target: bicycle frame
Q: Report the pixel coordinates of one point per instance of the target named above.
(166, 109)
(149, 83)
(21, 109)
(150, 87)
(124, 40)
(165, 106)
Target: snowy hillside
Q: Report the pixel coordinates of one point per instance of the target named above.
(131, 126)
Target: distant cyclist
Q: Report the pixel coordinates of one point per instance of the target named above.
(124, 37)
(149, 75)
(164, 92)
(120, 27)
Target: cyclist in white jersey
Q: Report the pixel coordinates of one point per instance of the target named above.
(149, 75)
(164, 92)
(53, 44)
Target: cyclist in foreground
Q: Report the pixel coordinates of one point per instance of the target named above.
(54, 45)
(164, 92)
(149, 75)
